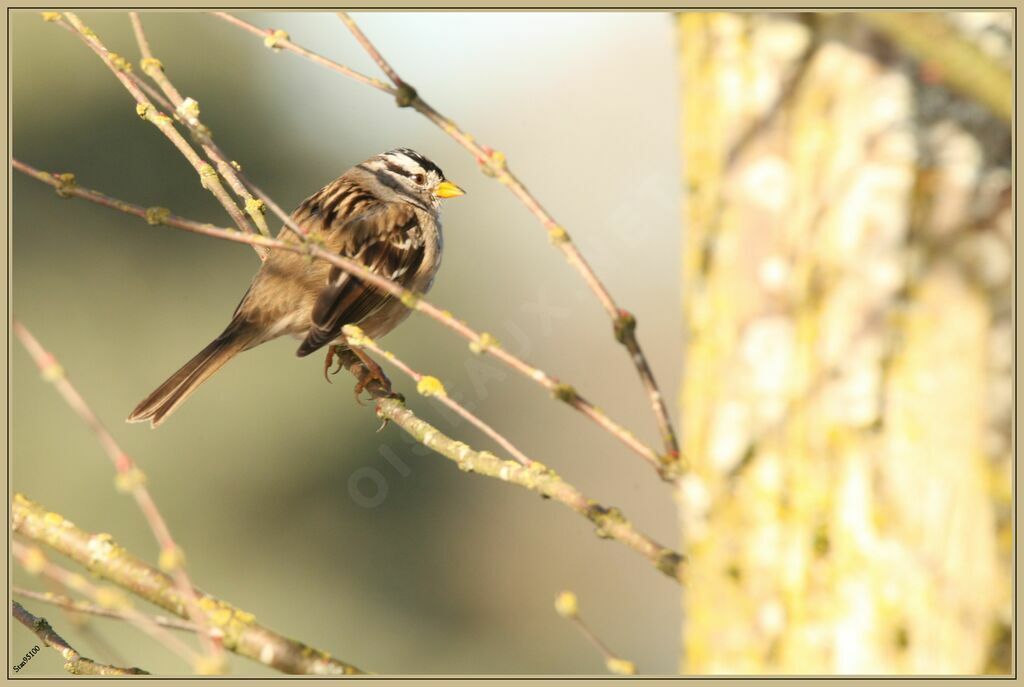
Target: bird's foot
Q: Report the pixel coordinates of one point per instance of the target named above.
(371, 373)
(333, 351)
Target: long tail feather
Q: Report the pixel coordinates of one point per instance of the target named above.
(172, 393)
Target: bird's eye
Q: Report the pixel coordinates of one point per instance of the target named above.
(419, 179)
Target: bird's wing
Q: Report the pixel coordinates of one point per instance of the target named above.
(384, 238)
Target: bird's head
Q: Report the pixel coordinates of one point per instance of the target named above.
(412, 175)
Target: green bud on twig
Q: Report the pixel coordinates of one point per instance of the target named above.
(565, 392)
(406, 95)
(157, 215)
(625, 325)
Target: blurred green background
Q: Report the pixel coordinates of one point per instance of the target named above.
(448, 572)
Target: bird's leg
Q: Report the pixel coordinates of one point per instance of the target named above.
(372, 373)
(333, 350)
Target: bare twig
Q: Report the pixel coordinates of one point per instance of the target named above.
(145, 108)
(279, 40)
(76, 606)
(431, 386)
(494, 164)
(129, 478)
(610, 522)
(480, 342)
(105, 558)
(74, 663)
(33, 561)
(567, 606)
(188, 111)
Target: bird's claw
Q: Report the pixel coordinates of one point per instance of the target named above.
(331, 353)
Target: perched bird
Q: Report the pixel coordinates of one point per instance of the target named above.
(382, 213)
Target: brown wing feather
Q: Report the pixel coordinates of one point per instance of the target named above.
(389, 244)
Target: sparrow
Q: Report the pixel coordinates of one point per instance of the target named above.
(383, 213)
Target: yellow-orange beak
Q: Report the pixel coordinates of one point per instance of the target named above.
(447, 189)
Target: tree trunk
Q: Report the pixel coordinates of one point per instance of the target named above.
(846, 289)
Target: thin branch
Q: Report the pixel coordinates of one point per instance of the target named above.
(34, 562)
(279, 40)
(129, 477)
(74, 662)
(567, 606)
(145, 108)
(105, 558)
(480, 342)
(76, 606)
(372, 51)
(431, 386)
(610, 522)
(188, 111)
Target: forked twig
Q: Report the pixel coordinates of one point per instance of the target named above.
(567, 606)
(129, 478)
(187, 110)
(208, 177)
(35, 563)
(432, 387)
(241, 633)
(74, 662)
(609, 522)
(76, 606)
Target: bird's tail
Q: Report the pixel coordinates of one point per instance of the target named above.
(239, 336)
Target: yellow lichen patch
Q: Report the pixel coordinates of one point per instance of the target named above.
(409, 299)
(149, 64)
(50, 16)
(274, 39)
(430, 386)
(244, 617)
(112, 597)
(557, 234)
(208, 604)
(34, 560)
(620, 666)
(142, 109)
(355, 335)
(220, 617)
(255, 206)
(538, 467)
(567, 605)
(53, 519)
(52, 372)
(206, 172)
(119, 62)
(209, 665)
(76, 582)
(171, 559)
(484, 342)
(129, 480)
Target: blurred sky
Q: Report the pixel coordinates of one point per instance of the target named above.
(448, 572)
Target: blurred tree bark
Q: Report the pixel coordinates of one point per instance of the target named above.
(846, 402)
